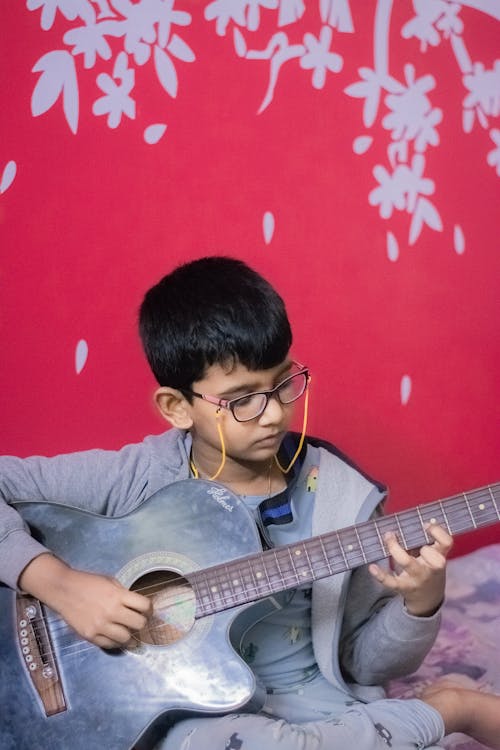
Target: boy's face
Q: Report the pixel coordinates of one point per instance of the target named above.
(257, 440)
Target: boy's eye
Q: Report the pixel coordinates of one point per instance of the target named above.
(247, 400)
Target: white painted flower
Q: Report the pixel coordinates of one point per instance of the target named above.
(412, 115)
(116, 101)
(138, 26)
(422, 25)
(493, 157)
(290, 11)
(484, 96)
(319, 58)
(368, 88)
(337, 13)
(400, 189)
(449, 23)
(390, 192)
(245, 13)
(70, 9)
(88, 40)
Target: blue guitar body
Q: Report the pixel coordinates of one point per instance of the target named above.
(108, 700)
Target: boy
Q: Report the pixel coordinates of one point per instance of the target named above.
(218, 340)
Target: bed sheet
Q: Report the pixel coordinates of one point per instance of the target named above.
(469, 640)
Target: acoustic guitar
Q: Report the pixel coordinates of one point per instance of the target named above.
(195, 549)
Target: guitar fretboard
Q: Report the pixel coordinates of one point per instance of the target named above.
(256, 576)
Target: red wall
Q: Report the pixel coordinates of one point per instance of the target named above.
(371, 135)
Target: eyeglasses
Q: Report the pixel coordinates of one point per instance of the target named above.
(251, 406)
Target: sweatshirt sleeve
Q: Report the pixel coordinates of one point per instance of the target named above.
(105, 482)
(380, 639)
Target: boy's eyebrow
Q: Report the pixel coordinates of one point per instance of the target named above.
(245, 388)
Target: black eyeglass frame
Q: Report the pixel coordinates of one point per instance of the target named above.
(231, 403)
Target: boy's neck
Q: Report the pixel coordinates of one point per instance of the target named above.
(243, 478)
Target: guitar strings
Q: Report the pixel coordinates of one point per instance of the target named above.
(290, 579)
(355, 560)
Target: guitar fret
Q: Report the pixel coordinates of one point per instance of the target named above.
(360, 544)
(311, 575)
(278, 566)
(323, 550)
(422, 523)
(493, 500)
(470, 510)
(380, 540)
(445, 517)
(294, 571)
(396, 516)
(342, 550)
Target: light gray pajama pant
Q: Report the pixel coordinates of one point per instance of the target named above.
(288, 722)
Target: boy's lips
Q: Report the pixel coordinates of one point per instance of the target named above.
(270, 440)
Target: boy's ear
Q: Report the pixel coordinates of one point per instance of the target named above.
(174, 407)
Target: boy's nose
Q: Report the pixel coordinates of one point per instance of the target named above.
(273, 412)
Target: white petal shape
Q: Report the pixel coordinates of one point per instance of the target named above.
(392, 247)
(179, 49)
(165, 70)
(458, 239)
(81, 354)
(58, 77)
(361, 144)
(268, 227)
(153, 133)
(8, 176)
(405, 389)
(239, 43)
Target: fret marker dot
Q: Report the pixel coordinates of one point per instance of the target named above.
(432, 520)
(258, 574)
(481, 506)
(304, 573)
(213, 589)
(350, 547)
(298, 552)
(236, 582)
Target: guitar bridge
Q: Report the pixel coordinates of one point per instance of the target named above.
(36, 650)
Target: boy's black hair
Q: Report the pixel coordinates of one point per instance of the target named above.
(213, 310)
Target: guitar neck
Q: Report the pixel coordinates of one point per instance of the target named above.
(259, 575)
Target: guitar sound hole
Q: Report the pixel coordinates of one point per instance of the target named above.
(173, 607)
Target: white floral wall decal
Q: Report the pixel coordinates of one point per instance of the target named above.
(8, 176)
(412, 119)
(146, 29)
(404, 108)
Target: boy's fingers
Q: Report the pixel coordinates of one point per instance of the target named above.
(399, 555)
(440, 536)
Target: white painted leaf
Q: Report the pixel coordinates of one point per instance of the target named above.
(416, 225)
(362, 143)
(268, 226)
(468, 120)
(405, 389)
(58, 77)
(430, 215)
(458, 239)
(8, 176)
(165, 70)
(81, 354)
(153, 133)
(392, 247)
(179, 49)
(240, 44)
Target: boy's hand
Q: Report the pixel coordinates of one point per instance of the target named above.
(419, 579)
(100, 609)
